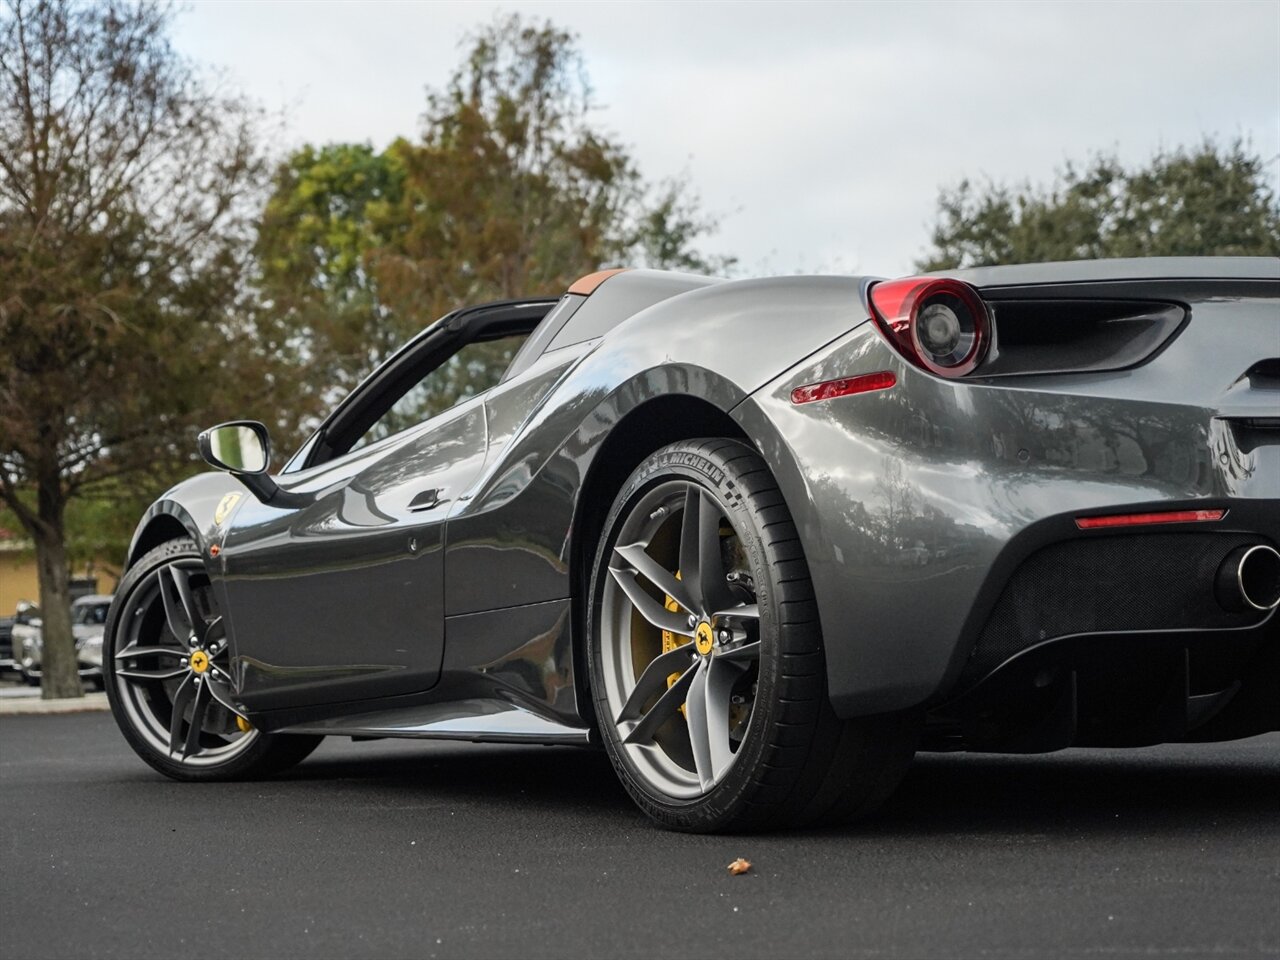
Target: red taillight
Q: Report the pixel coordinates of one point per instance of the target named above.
(1145, 519)
(842, 388)
(939, 324)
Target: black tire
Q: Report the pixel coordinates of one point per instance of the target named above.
(250, 754)
(797, 763)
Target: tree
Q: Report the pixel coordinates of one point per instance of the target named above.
(330, 209)
(127, 192)
(511, 191)
(1206, 200)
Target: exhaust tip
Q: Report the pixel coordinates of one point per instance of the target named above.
(1249, 579)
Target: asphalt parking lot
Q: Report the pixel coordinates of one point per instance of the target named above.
(394, 849)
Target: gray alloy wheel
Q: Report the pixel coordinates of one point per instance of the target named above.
(166, 666)
(677, 543)
(705, 655)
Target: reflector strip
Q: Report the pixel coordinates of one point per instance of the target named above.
(1145, 519)
(843, 388)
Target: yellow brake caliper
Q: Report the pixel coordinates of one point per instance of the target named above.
(672, 640)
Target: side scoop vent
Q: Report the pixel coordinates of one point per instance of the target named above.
(1265, 374)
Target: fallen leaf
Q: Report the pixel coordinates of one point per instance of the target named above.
(739, 866)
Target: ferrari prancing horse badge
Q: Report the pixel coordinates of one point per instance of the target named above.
(225, 506)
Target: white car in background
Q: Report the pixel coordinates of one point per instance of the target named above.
(88, 618)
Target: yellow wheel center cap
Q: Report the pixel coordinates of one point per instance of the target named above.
(199, 661)
(703, 638)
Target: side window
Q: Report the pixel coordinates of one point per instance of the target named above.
(469, 372)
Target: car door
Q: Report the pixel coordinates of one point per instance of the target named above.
(334, 590)
(342, 598)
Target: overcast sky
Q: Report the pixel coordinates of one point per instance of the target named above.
(819, 132)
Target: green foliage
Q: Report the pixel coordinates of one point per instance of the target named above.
(329, 209)
(1205, 201)
(332, 198)
(511, 191)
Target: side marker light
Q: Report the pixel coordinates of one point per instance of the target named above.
(830, 389)
(1147, 519)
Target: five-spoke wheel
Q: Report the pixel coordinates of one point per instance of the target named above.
(679, 582)
(705, 655)
(168, 670)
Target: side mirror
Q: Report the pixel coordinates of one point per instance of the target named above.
(241, 446)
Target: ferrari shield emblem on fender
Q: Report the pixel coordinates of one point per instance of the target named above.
(225, 506)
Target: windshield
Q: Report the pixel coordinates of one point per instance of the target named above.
(92, 613)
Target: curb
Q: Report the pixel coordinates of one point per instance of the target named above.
(32, 706)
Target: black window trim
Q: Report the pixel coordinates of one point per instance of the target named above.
(361, 408)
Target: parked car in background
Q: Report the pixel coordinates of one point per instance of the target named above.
(25, 629)
(88, 620)
(7, 663)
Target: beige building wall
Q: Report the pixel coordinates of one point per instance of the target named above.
(20, 581)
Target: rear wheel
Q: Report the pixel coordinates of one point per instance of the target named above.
(166, 667)
(706, 658)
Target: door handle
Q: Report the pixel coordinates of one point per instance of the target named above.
(426, 500)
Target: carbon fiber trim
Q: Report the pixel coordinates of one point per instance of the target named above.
(1106, 585)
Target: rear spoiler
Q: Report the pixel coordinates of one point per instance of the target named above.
(1134, 269)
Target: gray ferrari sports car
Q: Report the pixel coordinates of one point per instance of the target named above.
(760, 540)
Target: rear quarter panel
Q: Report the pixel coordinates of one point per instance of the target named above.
(914, 504)
(509, 541)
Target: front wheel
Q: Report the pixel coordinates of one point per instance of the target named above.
(166, 667)
(706, 659)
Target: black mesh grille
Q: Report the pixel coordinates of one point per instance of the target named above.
(1150, 582)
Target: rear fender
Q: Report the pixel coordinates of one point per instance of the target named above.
(510, 540)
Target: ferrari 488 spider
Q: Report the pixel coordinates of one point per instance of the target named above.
(760, 540)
